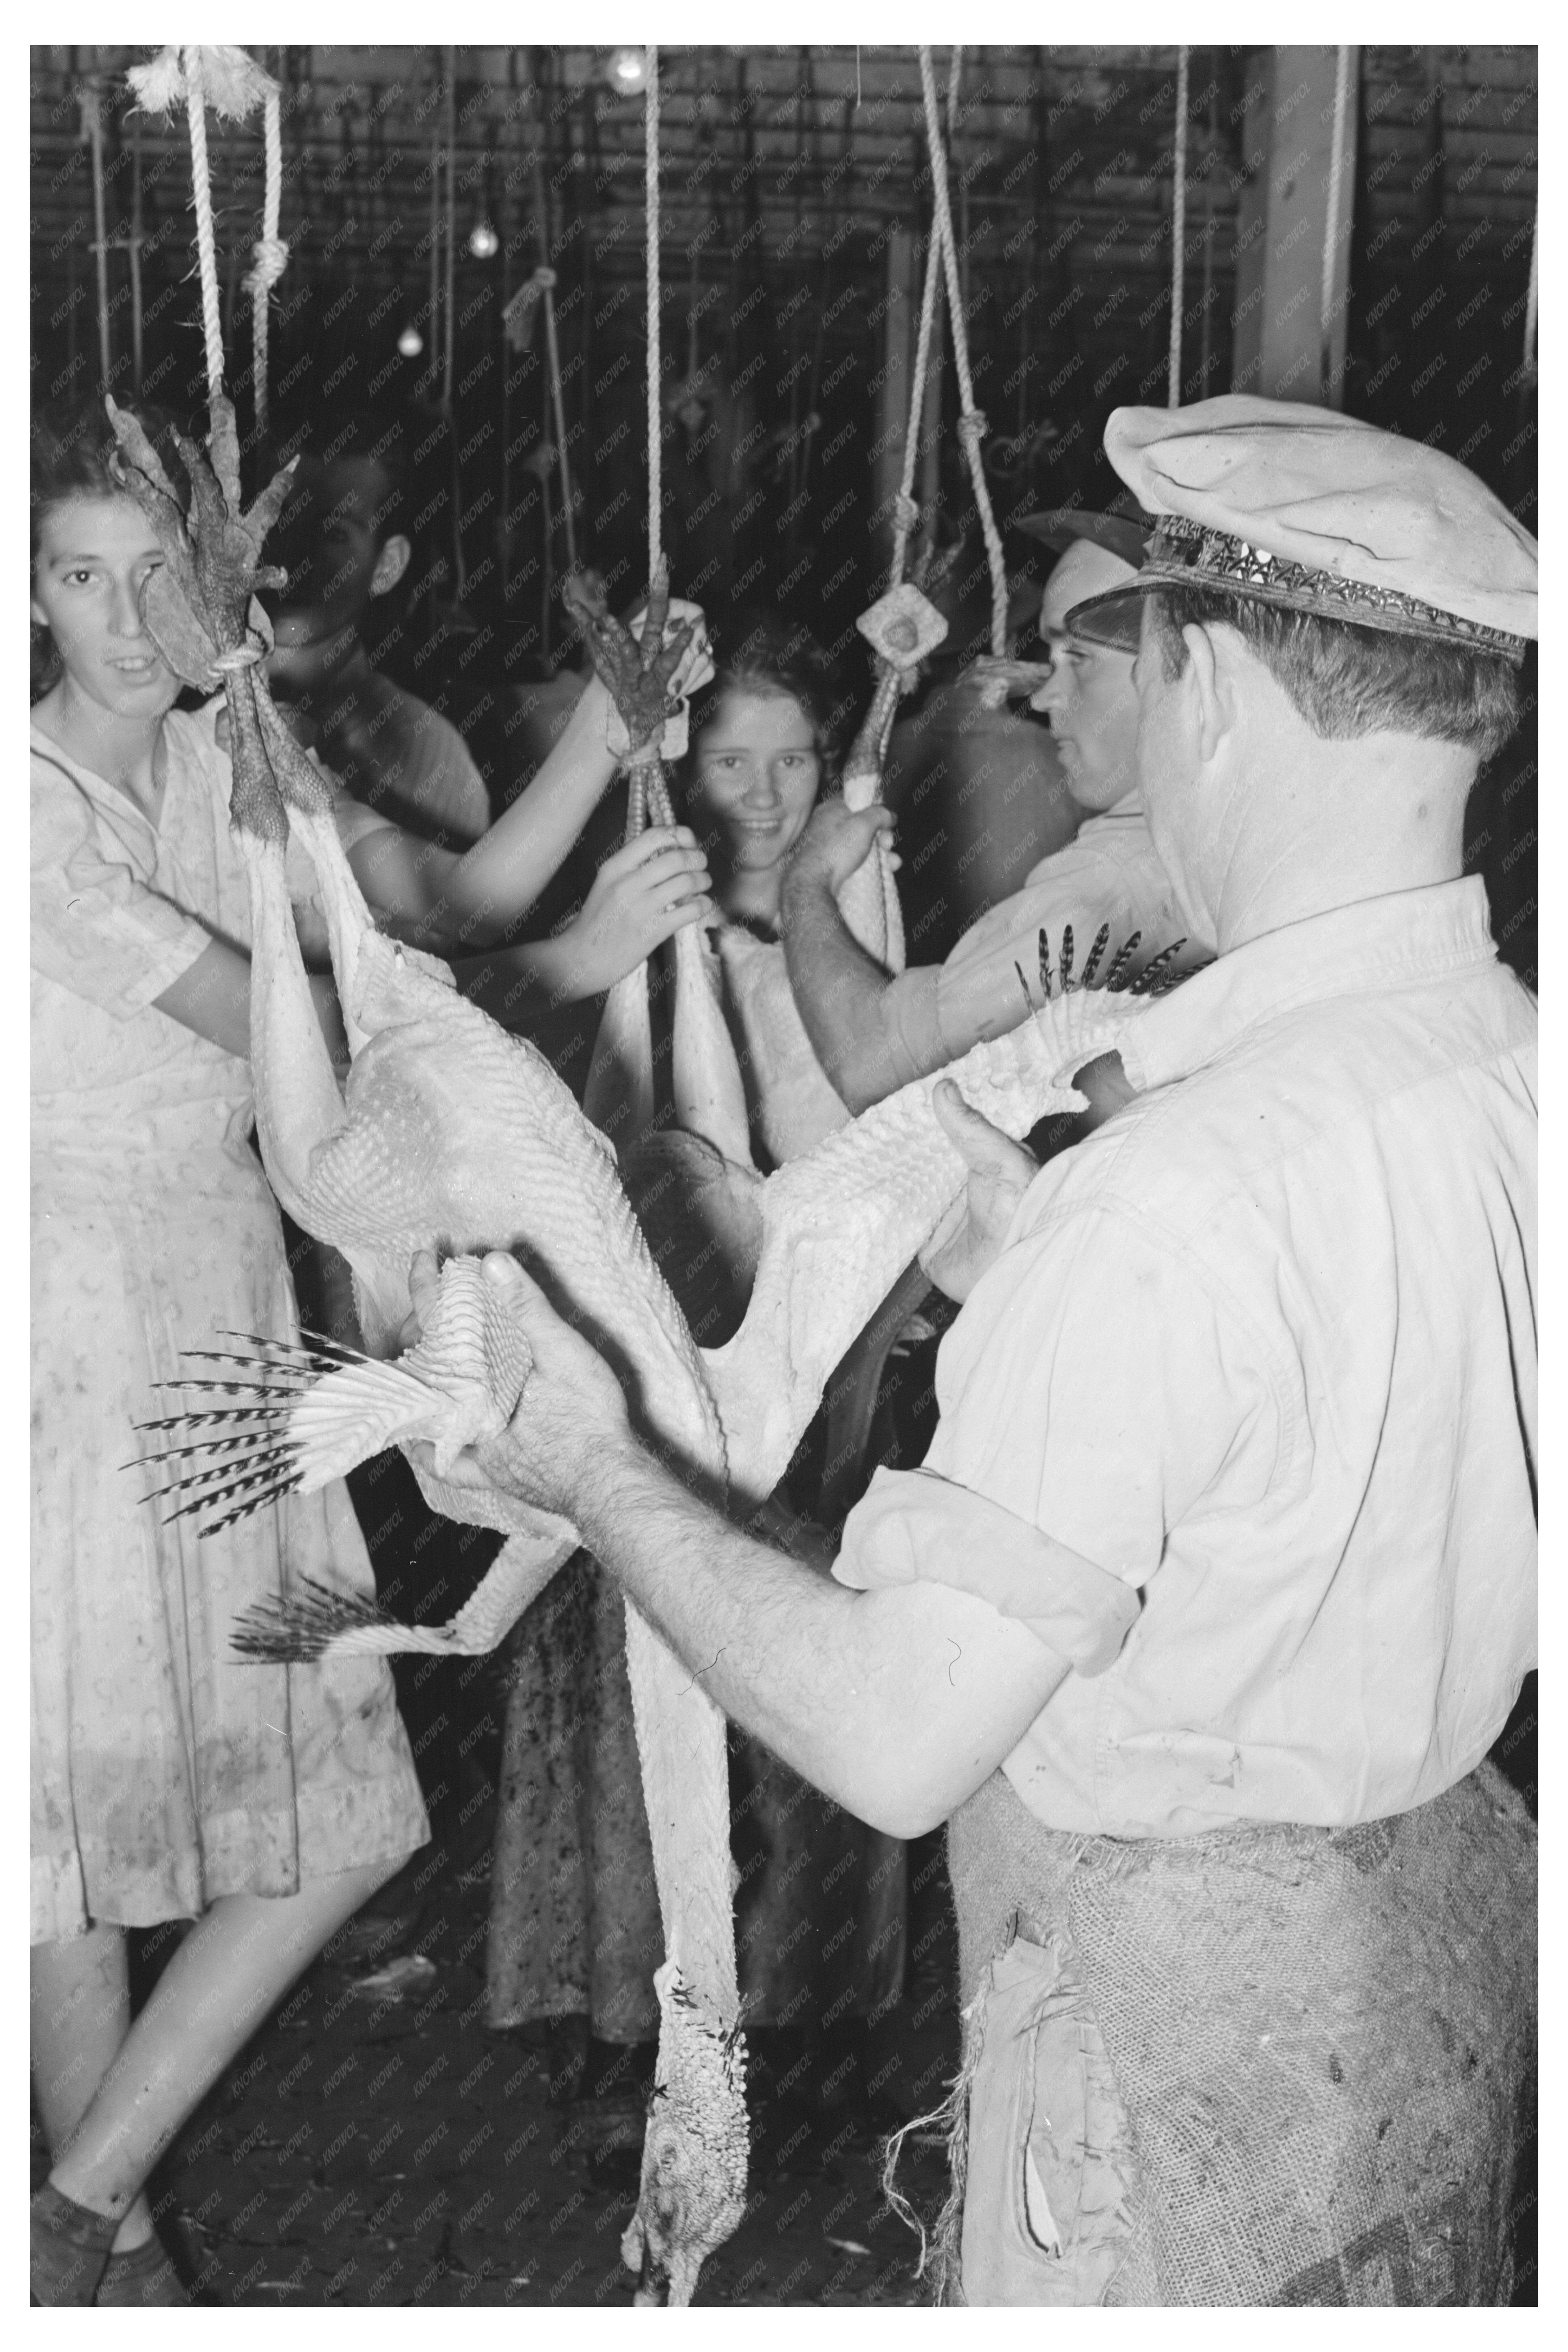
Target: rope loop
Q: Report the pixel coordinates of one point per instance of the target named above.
(973, 429)
(242, 657)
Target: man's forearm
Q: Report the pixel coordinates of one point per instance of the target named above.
(845, 1000)
(898, 1703)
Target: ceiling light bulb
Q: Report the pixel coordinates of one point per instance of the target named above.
(411, 343)
(483, 241)
(628, 70)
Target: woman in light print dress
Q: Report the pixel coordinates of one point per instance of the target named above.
(171, 1781)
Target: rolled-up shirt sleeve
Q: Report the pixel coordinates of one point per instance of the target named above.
(914, 1526)
(1093, 1391)
(98, 928)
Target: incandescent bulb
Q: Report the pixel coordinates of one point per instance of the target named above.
(411, 343)
(627, 71)
(483, 241)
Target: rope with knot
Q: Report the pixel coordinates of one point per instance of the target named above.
(206, 245)
(972, 424)
(271, 255)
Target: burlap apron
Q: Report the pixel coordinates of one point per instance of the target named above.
(1271, 2065)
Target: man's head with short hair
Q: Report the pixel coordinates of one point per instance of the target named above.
(1089, 698)
(1329, 626)
(368, 492)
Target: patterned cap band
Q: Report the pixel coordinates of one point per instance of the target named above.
(1191, 555)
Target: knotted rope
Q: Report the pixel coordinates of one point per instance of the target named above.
(655, 361)
(971, 421)
(206, 245)
(1331, 216)
(271, 255)
(1178, 232)
(906, 513)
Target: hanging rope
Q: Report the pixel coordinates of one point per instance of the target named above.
(971, 421)
(1178, 232)
(906, 513)
(449, 345)
(269, 253)
(92, 100)
(231, 81)
(1332, 217)
(206, 245)
(134, 248)
(654, 362)
(547, 279)
(1532, 300)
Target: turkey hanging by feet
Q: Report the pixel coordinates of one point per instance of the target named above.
(707, 1093)
(454, 1136)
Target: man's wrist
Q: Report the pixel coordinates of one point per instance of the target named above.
(806, 890)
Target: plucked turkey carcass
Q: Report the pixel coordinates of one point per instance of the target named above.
(452, 1135)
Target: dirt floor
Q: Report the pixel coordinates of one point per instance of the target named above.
(377, 2145)
(384, 2147)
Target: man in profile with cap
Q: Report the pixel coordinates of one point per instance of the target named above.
(873, 1034)
(1219, 1582)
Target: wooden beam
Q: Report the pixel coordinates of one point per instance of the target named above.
(1288, 345)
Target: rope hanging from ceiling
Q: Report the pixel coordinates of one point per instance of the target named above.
(91, 97)
(269, 253)
(972, 420)
(1332, 222)
(233, 84)
(655, 360)
(1532, 300)
(1178, 232)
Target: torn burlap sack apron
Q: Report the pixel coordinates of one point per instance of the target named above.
(1270, 2065)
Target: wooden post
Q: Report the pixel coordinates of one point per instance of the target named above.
(1289, 341)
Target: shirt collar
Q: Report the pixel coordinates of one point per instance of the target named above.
(1376, 945)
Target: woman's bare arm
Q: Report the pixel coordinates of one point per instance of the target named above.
(211, 997)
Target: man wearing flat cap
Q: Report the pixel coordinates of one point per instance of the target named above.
(873, 1032)
(1219, 1579)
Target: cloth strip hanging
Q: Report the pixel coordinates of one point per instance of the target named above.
(655, 361)
(971, 421)
(1178, 232)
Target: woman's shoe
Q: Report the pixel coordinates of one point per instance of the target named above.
(70, 2246)
(142, 2277)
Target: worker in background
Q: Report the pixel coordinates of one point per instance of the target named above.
(1219, 1582)
(346, 540)
(873, 1034)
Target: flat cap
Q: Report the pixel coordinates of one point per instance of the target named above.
(1320, 513)
(1123, 530)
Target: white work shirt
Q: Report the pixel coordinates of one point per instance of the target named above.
(1264, 1346)
(1109, 873)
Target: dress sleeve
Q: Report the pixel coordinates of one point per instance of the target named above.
(1097, 1386)
(98, 927)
